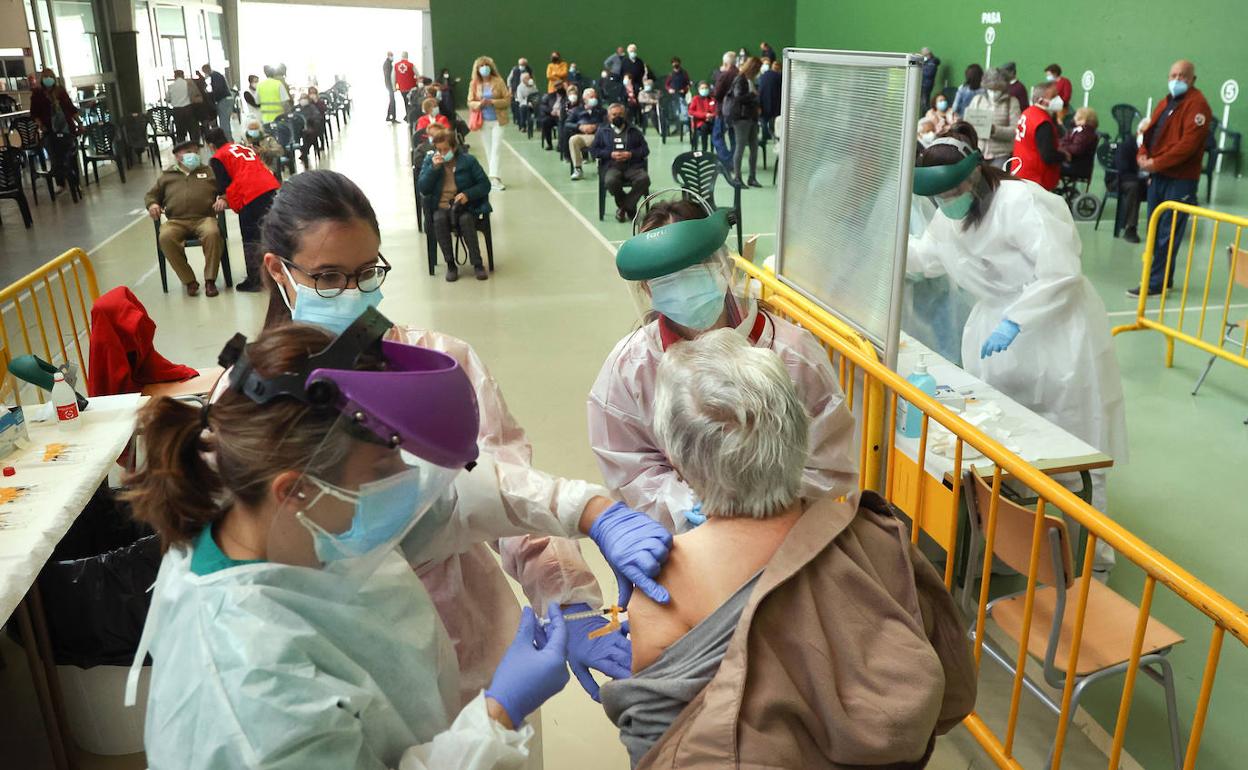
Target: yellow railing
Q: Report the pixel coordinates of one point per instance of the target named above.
(1217, 285)
(59, 293)
(862, 372)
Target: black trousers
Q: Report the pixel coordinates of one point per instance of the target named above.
(249, 226)
(467, 229)
(63, 152)
(1131, 190)
(186, 123)
(390, 111)
(702, 132)
(549, 124)
(636, 178)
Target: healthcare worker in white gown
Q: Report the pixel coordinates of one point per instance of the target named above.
(681, 270)
(1038, 331)
(321, 224)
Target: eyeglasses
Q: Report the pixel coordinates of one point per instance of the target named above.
(331, 283)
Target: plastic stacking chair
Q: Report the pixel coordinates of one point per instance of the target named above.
(1105, 152)
(7, 104)
(1127, 117)
(161, 125)
(1234, 332)
(431, 241)
(284, 134)
(700, 171)
(421, 146)
(11, 181)
(669, 114)
(35, 157)
(534, 103)
(99, 143)
(1109, 621)
(225, 253)
(137, 141)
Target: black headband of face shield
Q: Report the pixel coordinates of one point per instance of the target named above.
(364, 335)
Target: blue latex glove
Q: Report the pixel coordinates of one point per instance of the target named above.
(611, 654)
(694, 516)
(635, 546)
(533, 668)
(1000, 338)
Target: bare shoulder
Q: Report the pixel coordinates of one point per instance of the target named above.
(653, 627)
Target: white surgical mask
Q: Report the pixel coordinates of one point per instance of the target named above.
(304, 102)
(1056, 104)
(927, 137)
(573, 98)
(1049, 76)
(591, 102)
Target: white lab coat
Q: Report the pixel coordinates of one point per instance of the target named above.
(1022, 262)
(272, 666)
(473, 597)
(621, 421)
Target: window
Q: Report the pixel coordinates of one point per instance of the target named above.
(216, 42)
(76, 33)
(175, 54)
(153, 83)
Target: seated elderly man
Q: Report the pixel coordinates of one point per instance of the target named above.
(802, 635)
(584, 122)
(622, 149)
(186, 193)
(271, 153)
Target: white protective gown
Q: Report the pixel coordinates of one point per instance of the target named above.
(473, 597)
(621, 421)
(278, 667)
(1022, 262)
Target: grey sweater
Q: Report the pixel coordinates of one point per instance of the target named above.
(644, 706)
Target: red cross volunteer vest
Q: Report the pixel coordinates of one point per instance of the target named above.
(249, 177)
(1033, 166)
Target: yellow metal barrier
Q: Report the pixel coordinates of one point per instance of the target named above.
(1226, 226)
(60, 292)
(861, 371)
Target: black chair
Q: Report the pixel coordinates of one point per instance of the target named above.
(669, 115)
(421, 146)
(1105, 153)
(11, 181)
(602, 192)
(534, 104)
(1230, 147)
(34, 155)
(7, 104)
(949, 92)
(137, 142)
(99, 143)
(699, 172)
(283, 132)
(1213, 152)
(1127, 117)
(225, 253)
(431, 240)
(161, 125)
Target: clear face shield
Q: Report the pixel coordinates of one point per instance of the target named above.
(396, 435)
(683, 270)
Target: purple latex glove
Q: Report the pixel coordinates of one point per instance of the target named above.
(533, 668)
(635, 546)
(611, 654)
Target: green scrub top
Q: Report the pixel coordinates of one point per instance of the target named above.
(207, 557)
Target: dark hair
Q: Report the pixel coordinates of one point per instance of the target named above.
(751, 67)
(304, 200)
(178, 491)
(177, 73)
(1010, 67)
(667, 212)
(990, 177)
(1056, 69)
(215, 137)
(676, 60)
(974, 76)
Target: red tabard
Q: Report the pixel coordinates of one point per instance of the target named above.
(1033, 166)
(249, 177)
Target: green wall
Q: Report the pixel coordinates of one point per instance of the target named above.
(697, 31)
(1125, 43)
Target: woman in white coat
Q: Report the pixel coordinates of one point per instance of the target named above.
(1038, 332)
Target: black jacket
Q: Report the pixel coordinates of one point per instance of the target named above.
(387, 71)
(635, 69)
(632, 140)
(220, 89)
(742, 102)
(769, 93)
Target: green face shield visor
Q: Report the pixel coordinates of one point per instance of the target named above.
(671, 248)
(934, 180)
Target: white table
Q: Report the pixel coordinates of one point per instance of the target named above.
(54, 487)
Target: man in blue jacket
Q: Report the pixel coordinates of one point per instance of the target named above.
(583, 124)
(931, 66)
(622, 150)
(457, 190)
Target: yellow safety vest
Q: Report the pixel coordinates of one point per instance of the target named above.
(270, 93)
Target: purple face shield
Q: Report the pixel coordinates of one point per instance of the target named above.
(422, 402)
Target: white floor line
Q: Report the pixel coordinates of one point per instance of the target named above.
(115, 235)
(606, 244)
(143, 278)
(1172, 309)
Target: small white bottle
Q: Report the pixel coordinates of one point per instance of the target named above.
(66, 403)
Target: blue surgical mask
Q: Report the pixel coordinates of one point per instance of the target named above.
(1178, 88)
(434, 112)
(591, 102)
(693, 297)
(958, 206)
(332, 313)
(483, 71)
(191, 160)
(448, 156)
(704, 92)
(48, 82)
(383, 512)
(942, 105)
(254, 133)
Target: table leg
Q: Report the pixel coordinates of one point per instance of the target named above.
(44, 640)
(39, 674)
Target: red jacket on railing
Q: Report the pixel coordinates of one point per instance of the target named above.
(123, 359)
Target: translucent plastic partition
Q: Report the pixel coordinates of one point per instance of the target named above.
(845, 169)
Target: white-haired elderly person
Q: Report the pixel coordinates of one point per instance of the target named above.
(800, 633)
(270, 152)
(680, 268)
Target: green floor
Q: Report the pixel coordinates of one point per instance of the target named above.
(1182, 491)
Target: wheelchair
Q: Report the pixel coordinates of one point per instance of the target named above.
(1076, 189)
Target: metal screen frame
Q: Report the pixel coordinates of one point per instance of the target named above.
(911, 63)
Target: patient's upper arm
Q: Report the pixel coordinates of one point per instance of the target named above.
(653, 627)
